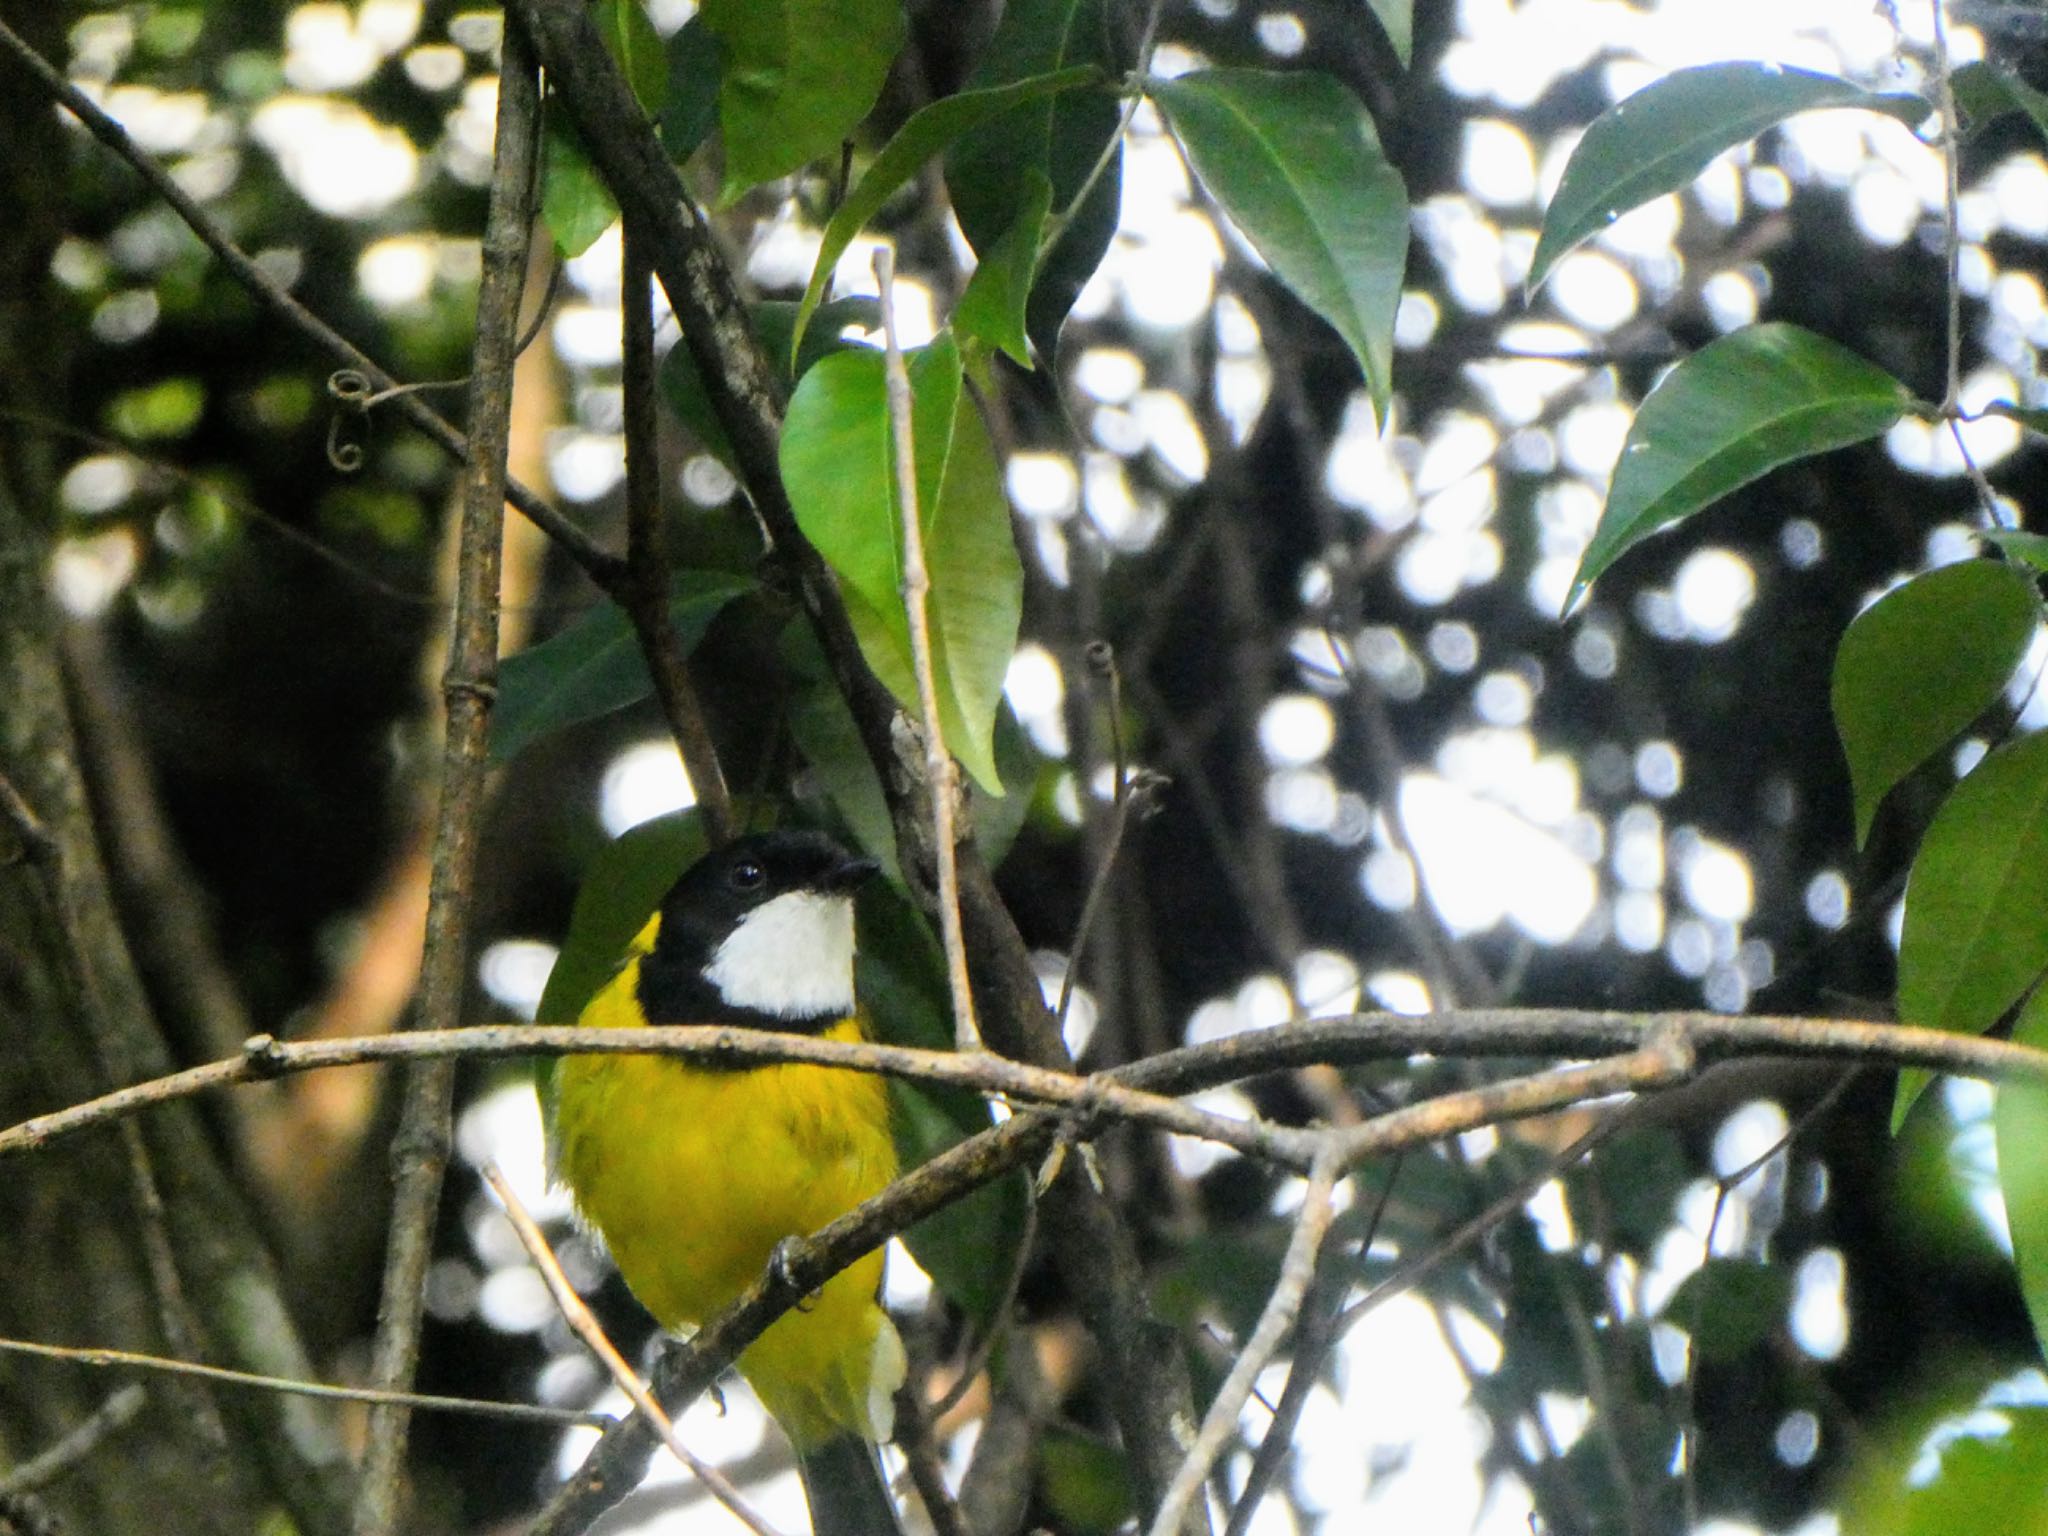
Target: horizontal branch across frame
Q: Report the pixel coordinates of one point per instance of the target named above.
(1135, 1091)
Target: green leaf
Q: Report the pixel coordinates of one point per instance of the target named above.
(1730, 1306)
(1086, 1484)
(930, 130)
(636, 47)
(969, 1247)
(994, 306)
(799, 76)
(1986, 93)
(2027, 548)
(1397, 20)
(1659, 139)
(622, 886)
(696, 68)
(1729, 414)
(166, 409)
(574, 202)
(1061, 138)
(1920, 664)
(774, 323)
(837, 463)
(1295, 162)
(1976, 930)
(2020, 1120)
(595, 665)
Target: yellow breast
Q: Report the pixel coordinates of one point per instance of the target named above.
(693, 1176)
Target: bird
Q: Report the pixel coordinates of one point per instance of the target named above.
(694, 1174)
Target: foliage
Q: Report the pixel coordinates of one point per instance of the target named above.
(1326, 531)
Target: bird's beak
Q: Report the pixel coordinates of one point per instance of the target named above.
(849, 873)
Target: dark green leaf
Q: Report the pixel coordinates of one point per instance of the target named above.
(799, 76)
(2020, 1118)
(774, 322)
(1061, 138)
(837, 464)
(1659, 139)
(1641, 1172)
(622, 886)
(1976, 930)
(1397, 20)
(1920, 664)
(636, 47)
(696, 67)
(1985, 93)
(1730, 1306)
(969, 1248)
(595, 665)
(930, 130)
(1729, 414)
(994, 307)
(1086, 1484)
(1295, 161)
(574, 202)
(2029, 548)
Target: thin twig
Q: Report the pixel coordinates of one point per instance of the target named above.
(921, 1455)
(1297, 1268)
(474, 1407)
(47, 1466)
(587, 1328)
(998, 1318)
(600, 565)
(1951, 192)
(647, 564)
(419, 1154)
(942, 774)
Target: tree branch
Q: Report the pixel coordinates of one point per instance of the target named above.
(419, 1155)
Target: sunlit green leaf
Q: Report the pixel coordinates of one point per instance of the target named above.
(1976, 930)
(1296, 163)
(596, 665)
(636, 47)
(799, 77)
(1659, 139)
(1920, 664)
(1061, 138)
(929, 132)
(166, 409)
(837, 464)
(2028, 548)
(1729, 414)
(1969, 1471)
(574, 202)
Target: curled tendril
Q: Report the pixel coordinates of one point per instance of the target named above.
(350, 389)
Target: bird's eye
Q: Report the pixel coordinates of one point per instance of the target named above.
(747, 875)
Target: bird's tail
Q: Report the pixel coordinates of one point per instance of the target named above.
(844, 1486)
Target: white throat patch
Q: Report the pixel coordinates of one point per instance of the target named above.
(791, 957)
